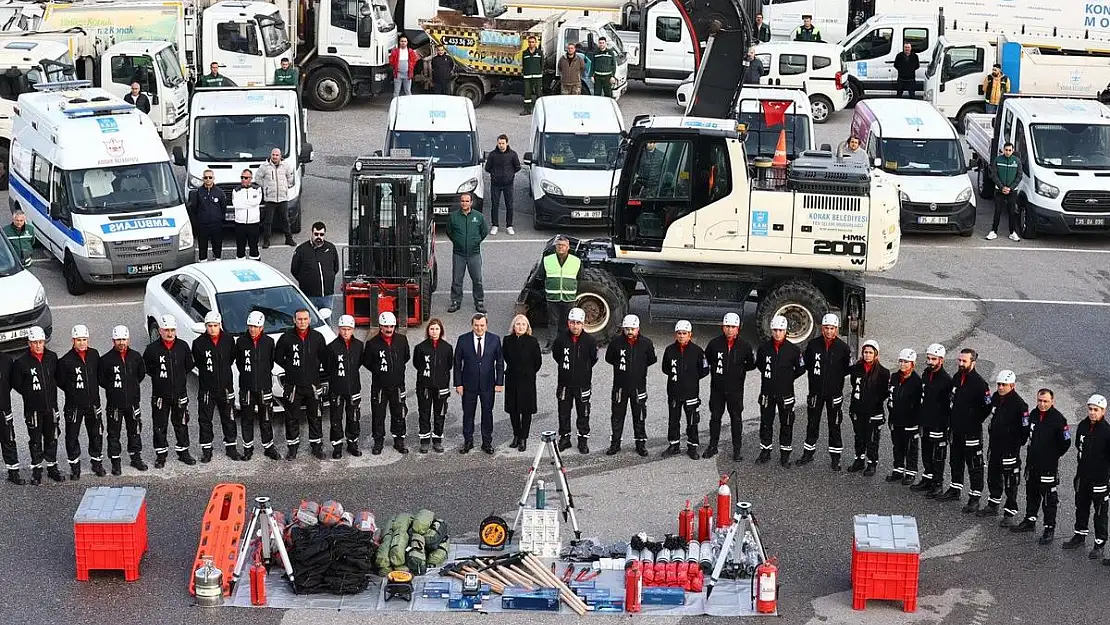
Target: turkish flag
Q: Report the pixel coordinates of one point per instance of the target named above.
(774, 111)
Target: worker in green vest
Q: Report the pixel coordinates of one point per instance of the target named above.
(532, 70)
(560, 273)
(286, 75)
(214, 78)
(605, 65)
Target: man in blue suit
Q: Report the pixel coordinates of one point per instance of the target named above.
(479, 373)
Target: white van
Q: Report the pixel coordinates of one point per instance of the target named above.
(869, 53)
(445, 129)
(921, 151)
(572, 148)
(24, 303)
(93, 174)
(816, 67)
(236, 128)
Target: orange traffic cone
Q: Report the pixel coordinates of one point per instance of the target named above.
(780, 151)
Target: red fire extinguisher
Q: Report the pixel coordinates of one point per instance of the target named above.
(686, 523)
(766, 587)
(724, 503)
(633, 587)
(258, 583)
(705, 521)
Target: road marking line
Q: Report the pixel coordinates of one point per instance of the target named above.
(1007, 248)
(988, 300)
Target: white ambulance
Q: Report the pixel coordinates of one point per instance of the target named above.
(93, 174)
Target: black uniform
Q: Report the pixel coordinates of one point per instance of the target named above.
(1009, 430)
(729, 364)
(870, 389)
(214, 359)
(121, 374)
(936, 385)
(35, 379)
(779, 365)
(7, 420)
(970, 399)
(684, 367)
(77, 378)
(341, 361)
(300, 357)
(254, 358)
(168, 368)
(827, 365)
(904, 408)
(631, 359)
(433, 361)
(575, 357)
(1049, 440)
(1092, 441)
(386, 362)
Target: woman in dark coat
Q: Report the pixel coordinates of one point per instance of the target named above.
(522, 361)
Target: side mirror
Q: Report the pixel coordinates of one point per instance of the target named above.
(325, 313)
(58, 212)
(197, 327)
(878, 162)
(154, 99)
(178, 156)
(484, 155)
(377, 152)
(826, 147)
(527, 158)
(307, 153)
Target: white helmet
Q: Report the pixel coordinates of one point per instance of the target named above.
(908, 355)
(36, 334)
(167, 322)
(830, 319)
(630, 321)
(120, 333)
(213, 317)
(576, 314)
(1006, 377)
(387, 319)
(870, 343)
(731, 320)
(683, 326)
(936, 349)
(1097, 400)
(256, 319)
(779, 323)
(345, 321)
(79, 331)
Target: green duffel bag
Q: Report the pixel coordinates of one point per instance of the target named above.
(422, 521)
(397, 548)
(381, 559)
(401, 523)
(437, 556)
(416, 561)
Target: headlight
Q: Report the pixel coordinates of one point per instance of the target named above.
(94, 246)
(1047, 190)
(40, 297)
(550, 188)
(964, 196)
(468, 186)
(194, 182)
(185, 237)
(902, 196)
(171, 111)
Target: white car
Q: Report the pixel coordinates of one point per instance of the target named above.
(23, 305)
(233, 288)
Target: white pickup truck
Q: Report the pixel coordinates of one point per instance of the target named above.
(1064, 147)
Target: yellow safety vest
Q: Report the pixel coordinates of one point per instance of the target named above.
(561, 281)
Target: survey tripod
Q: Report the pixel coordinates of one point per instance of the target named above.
(268, 533)
(742, 517)
(562, 486)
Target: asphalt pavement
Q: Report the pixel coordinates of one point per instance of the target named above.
(1037, 307)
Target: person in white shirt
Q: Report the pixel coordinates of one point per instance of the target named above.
(247, 202)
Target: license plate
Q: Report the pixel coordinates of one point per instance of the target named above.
(441, 210)
(585, 214)
(14, 335)
(138, 270)
(1090, 221)
(932, 220)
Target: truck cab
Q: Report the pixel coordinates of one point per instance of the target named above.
(247, 39)
(236, 128)
(25, 63)
(157, 68)
(869, 52)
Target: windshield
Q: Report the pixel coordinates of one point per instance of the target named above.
(124, 189)
(852, 35)
(16, 81)
(240, 137)
(566, 150)
(277, 303)
(8, 264)
(493, 8)
(761, 140)
(382, 14)
(274, 37)
(1072, 146)
(454, 148)
(613, 38)
(170, 66)
(922, 157)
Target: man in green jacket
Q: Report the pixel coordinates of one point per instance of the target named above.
(21, 235)
(1007, 174)
(214, 78)
(605, 66)
(466, 228)
(560, 272)
(807, 31)
(761, 32)
(286, 75)
(532, 70)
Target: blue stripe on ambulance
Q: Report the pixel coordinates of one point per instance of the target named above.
(24, 191)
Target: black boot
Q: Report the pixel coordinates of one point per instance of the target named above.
(583, 445)
(54, 474)
(764, 456)
(935, 490)
(834, 463)
(75, 471)
(116, 468)
(352, 449)
(376, 449)
(894, 477)
(641, 449)
(692, 452)
(399, 445)
(289, 240)
(1047, 537)
(614, 448)
(1075, 542)
(1096, 552)
(36, 477)
(564, 442)
(1007, 520)
(870, 470)
(737, 455)
(523, 444)
(15, 478)
(232, 453)
(425, 444)
(1026, 525)
(337, 451)
(991, 509)
(671, 450)
(907, 480)
(318, 451)
(857, 465)
(807, 457)
(187, 458)
(922, 486)
(952, 494)
(160, 460)
(291, 452)
(784, 458)
(271, 453)
(97, 468)
(972, 506)
(516, 443)
(437, 445)
(138, 464)
(205, 455)
(710, 451)
(248, 453)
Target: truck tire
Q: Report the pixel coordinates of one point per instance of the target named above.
(328, 89)
(961, 117)
(821, 107)
(427, 282)
(605, 303)
(802, 305)
(471, 90)
(983, 182)
(75, 284)
(855, 92)
(1027, 219)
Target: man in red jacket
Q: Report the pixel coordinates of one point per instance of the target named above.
(403, 61)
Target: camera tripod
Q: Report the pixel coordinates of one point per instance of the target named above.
(743, 516)
(562, 486)
(268, 531)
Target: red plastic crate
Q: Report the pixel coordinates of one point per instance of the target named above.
(881, 575)
(111, 546)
